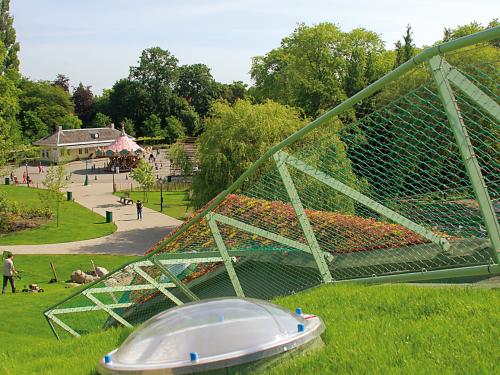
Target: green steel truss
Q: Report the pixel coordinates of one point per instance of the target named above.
(421, 204)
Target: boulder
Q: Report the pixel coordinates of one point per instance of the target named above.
(78, 277)
(101, 271)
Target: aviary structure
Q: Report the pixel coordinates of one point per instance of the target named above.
(397, 183)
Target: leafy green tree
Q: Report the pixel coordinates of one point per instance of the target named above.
(174, 129)
(50, 103)
(55, 181)
(101, 121)
(33, 127)
(310, 69)
(251, 129)
(232, 91)
(197, 86)
(10, 61)
(180, 159)
(128, 125)
(130, 99)
(152, 127)
(157, 72)
(71, 122)
(144, 175)
(180, 108)
(83, 98)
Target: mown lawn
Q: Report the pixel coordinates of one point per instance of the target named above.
(76, 222)
(382, 329)
(175, 203)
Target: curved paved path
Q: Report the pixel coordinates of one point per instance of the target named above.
(132, 237)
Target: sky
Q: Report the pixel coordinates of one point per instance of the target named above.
(96, 41)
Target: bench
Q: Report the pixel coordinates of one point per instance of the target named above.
(124, 200)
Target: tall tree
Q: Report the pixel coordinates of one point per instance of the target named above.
(83, 98)
(158, 73)
(197, 86)
(152, 127)
(8, 38)
(62, 81)
(406, 50)
(9, 75)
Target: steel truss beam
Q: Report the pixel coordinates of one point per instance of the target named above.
(179, 284)
(464, 144)
(225, 256)
(157, 285)
(106, 308)
(280, 159)
(364, 200)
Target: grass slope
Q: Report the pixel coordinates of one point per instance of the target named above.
(175, 203)
(369, 329)
(76, 222)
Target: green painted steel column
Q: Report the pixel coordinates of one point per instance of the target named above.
(467, 151)
(302, 218)
(225, 256)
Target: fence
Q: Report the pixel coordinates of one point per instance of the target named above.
(397, 183)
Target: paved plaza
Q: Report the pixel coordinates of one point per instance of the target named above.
(133, 237)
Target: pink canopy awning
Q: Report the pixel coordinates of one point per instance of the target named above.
(123, 145)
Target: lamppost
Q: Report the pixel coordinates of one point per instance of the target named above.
(114, 186)
(86, 183)
(27, 175)
(161, 195)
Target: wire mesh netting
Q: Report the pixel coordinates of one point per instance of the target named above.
(380, 189)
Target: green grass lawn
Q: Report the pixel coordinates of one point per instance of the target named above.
(382, 329)
(175, 203)
(75, 223)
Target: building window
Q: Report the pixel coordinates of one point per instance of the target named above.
(86, 150)
(80, 151)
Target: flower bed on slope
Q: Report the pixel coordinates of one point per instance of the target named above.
(336, 233)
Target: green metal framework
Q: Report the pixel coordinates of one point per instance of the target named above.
(404, 190)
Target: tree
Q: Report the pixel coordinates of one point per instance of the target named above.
(130, 99)
(180, 159)
(128, 125)
(101, 121)
(157, 72)
(33, 127)
(311, 67)
(62, 81)
(232, 91)
(405, 51)
(10, 61)
(71, 122)
(144, 175)
(50, 103)
(83, 98)
(174, 129)
(152, 127)
(251, 129)
(55, 181)
(197, 86)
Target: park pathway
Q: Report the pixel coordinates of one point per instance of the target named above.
(132, 237)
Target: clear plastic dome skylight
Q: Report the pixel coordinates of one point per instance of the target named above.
(211, 334)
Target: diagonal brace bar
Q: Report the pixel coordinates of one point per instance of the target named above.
(363, 199)
(316, 251)
(157, 285)
(225, 256)
(261, 232)
(106, 308)
(467, 151)
(63, 325)
(468, 88)
(179, 284)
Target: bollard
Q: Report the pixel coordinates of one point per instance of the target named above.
(7, 181)
(109, 217)
(69, 195)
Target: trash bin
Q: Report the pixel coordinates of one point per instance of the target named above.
(7, 181)
(69, 195)
(109, 217)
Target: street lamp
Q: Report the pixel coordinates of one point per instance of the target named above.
(86, 183)
(27, 175)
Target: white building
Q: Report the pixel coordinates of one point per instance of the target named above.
(75, 144)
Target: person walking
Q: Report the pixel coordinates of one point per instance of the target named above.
(8, 273)
(139, 210)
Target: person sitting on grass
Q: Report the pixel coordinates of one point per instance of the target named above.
(139, 210)
(8, 273)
